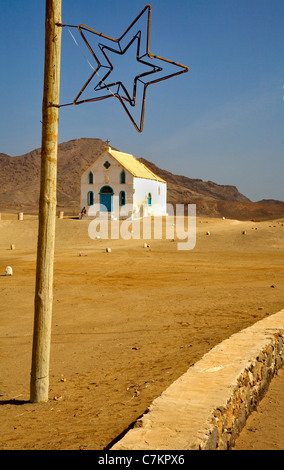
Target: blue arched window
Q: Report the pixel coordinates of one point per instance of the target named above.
(90, 198)
(122, 198)
(91, 178)
(122, 177)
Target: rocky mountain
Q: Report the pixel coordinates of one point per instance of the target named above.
(20, 179)
(182, 188)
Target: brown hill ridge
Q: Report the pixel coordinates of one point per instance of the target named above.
(181, 188)
(20, 178)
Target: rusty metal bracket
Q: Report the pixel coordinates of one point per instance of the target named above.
(121, 92)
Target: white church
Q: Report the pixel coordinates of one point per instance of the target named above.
(119, 180)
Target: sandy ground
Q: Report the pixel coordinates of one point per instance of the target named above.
(264, 429)
(126, 324)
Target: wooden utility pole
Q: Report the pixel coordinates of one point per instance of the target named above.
(47, 206)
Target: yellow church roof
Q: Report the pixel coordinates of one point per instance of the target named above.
(136, 168)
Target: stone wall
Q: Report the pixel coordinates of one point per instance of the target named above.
(206, 408)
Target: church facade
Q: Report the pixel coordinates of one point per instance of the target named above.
(117, 181)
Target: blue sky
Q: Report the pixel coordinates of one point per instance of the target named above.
(222, 121)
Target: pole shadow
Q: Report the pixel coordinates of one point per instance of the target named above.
(13, 401)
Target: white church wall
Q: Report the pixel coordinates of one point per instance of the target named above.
(106, 177)
(158, 190)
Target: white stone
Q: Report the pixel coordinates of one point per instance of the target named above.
(8, 271)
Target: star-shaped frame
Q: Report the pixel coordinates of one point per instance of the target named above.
(121, 93)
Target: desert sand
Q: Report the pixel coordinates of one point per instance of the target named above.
(264, 429)
(126, 324)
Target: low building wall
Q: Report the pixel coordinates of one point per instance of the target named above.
(206, 408)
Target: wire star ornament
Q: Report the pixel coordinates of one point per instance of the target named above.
(117, 89)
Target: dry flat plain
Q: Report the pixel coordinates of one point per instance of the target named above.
(126, 324)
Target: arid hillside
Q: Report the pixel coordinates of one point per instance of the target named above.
(20, 176)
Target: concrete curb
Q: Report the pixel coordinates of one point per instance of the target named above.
(206, 408)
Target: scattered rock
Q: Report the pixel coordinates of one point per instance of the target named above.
(8, 271)
(108, 250)
(57, 397)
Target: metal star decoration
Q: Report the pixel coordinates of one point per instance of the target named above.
(117, 89)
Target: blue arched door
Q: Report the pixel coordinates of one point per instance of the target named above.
(106, 194)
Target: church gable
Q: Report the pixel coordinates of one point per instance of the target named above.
(106, 167)
(127, 161)
(112, 171)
